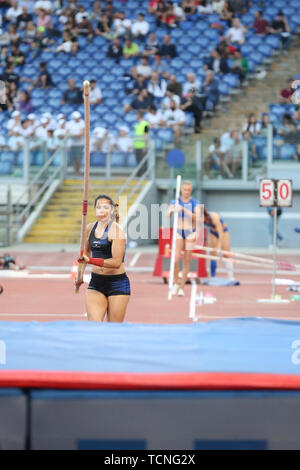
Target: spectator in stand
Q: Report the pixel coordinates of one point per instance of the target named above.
(43, 4)
(81, 14)
(218, 6)
(23, 19)
(140, 27)
(252, 149)
(10, 76)
(4, 54)
(96, 13)
(170, 96)
(85, 28)
(30, 33)
(121, 25)
(109, 11)
(13, 34)
(115, 50)
(151, 47)
(137, 85)
(217, 159)
(73, 94)
(130, 49)
(217, 62)
(265, 121)
(14, 123)
(169, 17)
(287, 92)
(280, 27)
(188, 7)
(44, 79)
(101, 140)
(227, 14)
(239, 7)
(236, 34)
(167, 50)
(95, 93)
(123, 143)
(210, 91)
(17, 58)
(24, 102)
(40, 42)
(51, 142)
(6, 104)
(235, 153)
(205, 7)
(68, 45)
(260, 25)
(191, 83)
(252, 125)
(104, 27)
(142, 68)
(44, 20)
(141, 102)
(157, 86)
(192, 104)
(239, 65)
(175, 118)
(158, 8)
(29, 4)
(174, 86)
(155, 118)
(13, 12)
(41, 130)
(76, 140)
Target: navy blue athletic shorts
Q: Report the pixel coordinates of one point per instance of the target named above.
(115, 284)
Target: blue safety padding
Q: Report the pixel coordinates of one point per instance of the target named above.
(10, 392)
(224, 346)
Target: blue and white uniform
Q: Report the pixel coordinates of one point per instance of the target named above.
(190, 206)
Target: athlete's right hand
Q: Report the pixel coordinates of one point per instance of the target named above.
(83, 259)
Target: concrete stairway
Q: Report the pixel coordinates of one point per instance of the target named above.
(60, 221)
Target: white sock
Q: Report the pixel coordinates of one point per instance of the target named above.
(229, 269)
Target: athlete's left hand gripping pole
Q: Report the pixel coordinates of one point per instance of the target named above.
(173, 248)
(86, 91)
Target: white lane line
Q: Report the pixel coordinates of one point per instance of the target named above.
(82, 315)
(134, 259)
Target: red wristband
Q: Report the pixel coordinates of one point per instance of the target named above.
(96, 261)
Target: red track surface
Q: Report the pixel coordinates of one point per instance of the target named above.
(54, 299)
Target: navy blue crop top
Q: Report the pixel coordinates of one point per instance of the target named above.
(189, 205)
(101, 247)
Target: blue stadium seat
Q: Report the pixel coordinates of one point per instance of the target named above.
(257, 58)
(286, 152)
(6, 167)
(201, 26)
(265, 50)
(158, 144)
(289, 12)
(118, 159)
(186, 25)
(247, 19)
(271, 10)
(212, 35)
(254, 40)
(223, 89)
(272, 41)
(213, 18)
(98, 159)
(246, 49)
(167, 135)
(231, 80)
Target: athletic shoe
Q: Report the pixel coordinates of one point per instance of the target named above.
(175, 289)
(180, 293)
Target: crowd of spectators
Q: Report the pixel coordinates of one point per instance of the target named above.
(166, 101)
(225, 154)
